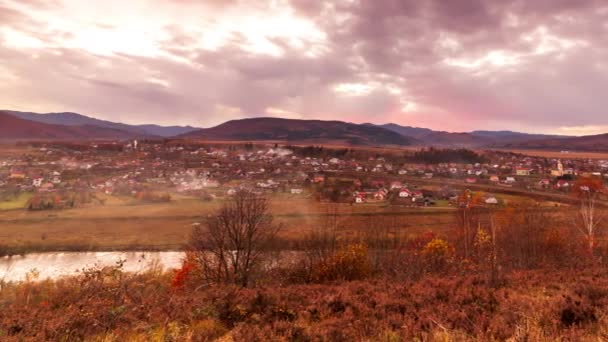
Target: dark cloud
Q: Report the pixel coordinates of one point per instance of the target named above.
(458, 65)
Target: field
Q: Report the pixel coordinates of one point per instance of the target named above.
(18, 202)
(122, 224)
(562, 155)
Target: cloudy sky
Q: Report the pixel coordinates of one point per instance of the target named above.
(457, 65)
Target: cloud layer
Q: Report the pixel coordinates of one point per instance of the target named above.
(538, 66)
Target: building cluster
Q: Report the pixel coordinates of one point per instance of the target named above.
(120, 169)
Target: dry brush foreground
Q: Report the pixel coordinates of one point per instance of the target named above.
(531, 305)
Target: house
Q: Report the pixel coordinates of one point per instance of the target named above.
(17, 175)
(380, 195)
(559, 171)
(491, 200)
(359, 197)
(37, 182)
(318, 179)
(405, 193)
(396, 185)
(544, 183)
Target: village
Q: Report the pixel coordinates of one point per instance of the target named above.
(63, 175)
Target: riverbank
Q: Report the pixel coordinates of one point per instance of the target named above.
(539, 305)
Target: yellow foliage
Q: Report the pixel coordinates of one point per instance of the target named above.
(348, 263)
(437, 254)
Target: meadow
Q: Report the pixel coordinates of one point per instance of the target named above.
(122, 224)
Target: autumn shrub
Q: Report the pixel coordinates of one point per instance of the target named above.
(576, 312)
(437, 255)
(348, 263)
(183, 275)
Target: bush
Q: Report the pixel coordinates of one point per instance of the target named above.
(437, 254)
(348, 263)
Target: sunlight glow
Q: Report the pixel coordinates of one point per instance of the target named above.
(353, 89)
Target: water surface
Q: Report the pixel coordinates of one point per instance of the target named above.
(55, 265)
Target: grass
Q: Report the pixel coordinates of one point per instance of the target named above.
(18, 202)
(121, 224)
(560, 155)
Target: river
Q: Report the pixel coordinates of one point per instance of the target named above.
(41, 266)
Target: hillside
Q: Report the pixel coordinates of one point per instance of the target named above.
(316, 131)
(408, 131)
(75, 119)
(431, 137)
(14, 128)
(512, 137)
(584, 143)
(474, 138)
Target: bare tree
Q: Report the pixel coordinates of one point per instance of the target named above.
(590, 217)
(320, 244)
(229, 246)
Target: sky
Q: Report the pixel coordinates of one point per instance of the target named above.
(456, 65)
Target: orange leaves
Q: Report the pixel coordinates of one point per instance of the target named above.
(586, 186)
(182, 275)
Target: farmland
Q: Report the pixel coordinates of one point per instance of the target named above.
(166, 226)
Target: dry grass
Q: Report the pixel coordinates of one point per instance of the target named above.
(560, 155)
(120, 225)
(532, 305)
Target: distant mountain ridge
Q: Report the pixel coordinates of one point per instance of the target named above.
(301, 130)
(75, 119)
(589, 143)
(463, 139)
(15, 128)
(16, 125)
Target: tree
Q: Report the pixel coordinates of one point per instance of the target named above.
(470, 206)
(588, 189)
(229, 246)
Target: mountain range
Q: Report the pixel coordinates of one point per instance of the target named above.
(75, 119)
(15, 128)
(463, 139)
(16, 125)
(314, 131)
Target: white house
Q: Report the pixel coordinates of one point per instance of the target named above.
(37, 182)
(491, 200)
